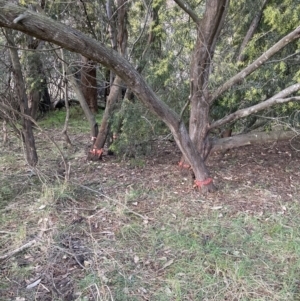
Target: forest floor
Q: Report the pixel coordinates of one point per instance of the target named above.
(135, 229)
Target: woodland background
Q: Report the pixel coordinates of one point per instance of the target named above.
(118, 117)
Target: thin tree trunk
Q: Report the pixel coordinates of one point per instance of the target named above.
(252, 28)
(27, 132)
(4, 128)
(39, 98)
(65, 81)
(280, 97)
(97, 151)
(118, 38)
(87, 112)
(89, 83)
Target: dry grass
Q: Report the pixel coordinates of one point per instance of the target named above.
(136, 230)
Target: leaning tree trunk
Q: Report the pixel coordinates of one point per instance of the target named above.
(87, 112)
(27, 132)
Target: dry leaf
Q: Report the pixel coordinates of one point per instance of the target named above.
(136, 259)
(216, 207)
(167, 264)
(34, 284)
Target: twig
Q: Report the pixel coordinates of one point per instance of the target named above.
(184, 108)
(71, 254)
(22, 248)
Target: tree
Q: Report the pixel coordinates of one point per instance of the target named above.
(194, 146)
(27, 131)
(89, 83)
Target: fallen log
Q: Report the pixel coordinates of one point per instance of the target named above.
(222, 144)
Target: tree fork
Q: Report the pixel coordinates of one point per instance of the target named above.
(47, 29)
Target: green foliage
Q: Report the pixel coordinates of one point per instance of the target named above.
(279, 72)
(282, 16)
(135, 127)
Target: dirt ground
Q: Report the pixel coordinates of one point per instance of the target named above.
(248, 180)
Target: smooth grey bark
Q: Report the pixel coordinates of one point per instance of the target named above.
(250, 139)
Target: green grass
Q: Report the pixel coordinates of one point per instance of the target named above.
(217, 258)
(183, 250)
(243, 257)
(77, 121)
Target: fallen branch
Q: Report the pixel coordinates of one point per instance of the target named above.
(250, 139)
(18, 250)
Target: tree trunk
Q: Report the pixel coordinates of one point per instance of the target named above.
(4, 131)
(252, 28)
(87, 112)
(66, 98)
(208, 31)
(97, 151)
(89, 83)
(38, 94)
(42, 27)
(118, 37)
(27, 132)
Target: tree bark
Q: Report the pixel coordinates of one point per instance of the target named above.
(89, 83)
(208, 31)
(87, 112)
(66, 98)
(34, 69)
(118, 37)
(27, 131)
(97, 151)
(250, 139)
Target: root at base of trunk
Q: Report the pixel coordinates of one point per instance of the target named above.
(205, 186)
(95, 154)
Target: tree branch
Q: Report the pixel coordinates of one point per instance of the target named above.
(278, 98)
(295, 34)
(250, 139)
(186, 7)
(252, 28)
(18, 250)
